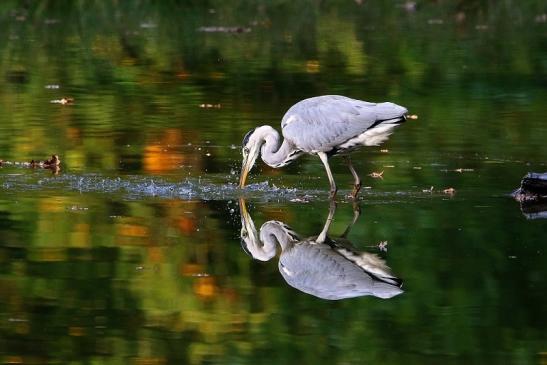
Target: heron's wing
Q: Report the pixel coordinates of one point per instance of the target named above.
(318, 270)
(324, 122)
(371, 263)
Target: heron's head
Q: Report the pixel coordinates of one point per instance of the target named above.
(250, 150)
(250, 242)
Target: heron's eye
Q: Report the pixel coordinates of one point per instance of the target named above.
(246, 150)
(243, 234)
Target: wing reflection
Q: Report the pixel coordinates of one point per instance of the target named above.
(321, 266)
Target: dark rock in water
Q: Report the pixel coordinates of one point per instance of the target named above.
(535, 210)
(532, 195)
(535, 183)
(532, 187)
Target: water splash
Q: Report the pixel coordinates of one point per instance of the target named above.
(212, 187)
(138, 187)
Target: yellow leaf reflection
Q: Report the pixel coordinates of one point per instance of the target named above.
(132, 230)
(54, 204)
(312, 66)
(80, 235)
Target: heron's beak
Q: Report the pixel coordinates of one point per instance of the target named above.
(248, 230)
(243, 210)
(245, 168)
(250, 240)
(248, 163)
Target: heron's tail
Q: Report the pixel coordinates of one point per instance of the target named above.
(390, 113)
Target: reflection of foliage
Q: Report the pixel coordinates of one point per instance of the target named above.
(162, 281)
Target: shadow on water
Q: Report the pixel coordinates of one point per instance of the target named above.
(325, 267)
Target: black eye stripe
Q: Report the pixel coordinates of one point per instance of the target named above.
(247, 136)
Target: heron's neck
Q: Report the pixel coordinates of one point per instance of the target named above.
(274, 231)
(274, 153)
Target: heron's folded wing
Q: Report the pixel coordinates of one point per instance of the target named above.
(318, 270)
(322, 123)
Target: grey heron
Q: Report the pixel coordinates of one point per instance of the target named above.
(321, 266)
(325, 126)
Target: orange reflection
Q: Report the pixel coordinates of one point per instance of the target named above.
(187, 225)
(161, 157)
(189, 269)
(155, 254)
(13, 360)
(205, 287)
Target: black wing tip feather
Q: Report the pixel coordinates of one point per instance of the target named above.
(396, 120)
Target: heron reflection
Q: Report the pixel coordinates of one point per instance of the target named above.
(325, 267)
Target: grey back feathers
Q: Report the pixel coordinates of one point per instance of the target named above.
(322, 123)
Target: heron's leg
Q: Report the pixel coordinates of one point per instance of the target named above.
(323, 235)
(357, 180)
(356, 214)
(325, 160)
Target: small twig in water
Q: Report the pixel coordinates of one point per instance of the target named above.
(382, 246)
(376, 175)
(460, 170)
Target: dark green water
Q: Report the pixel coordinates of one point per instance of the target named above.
(131, 254)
